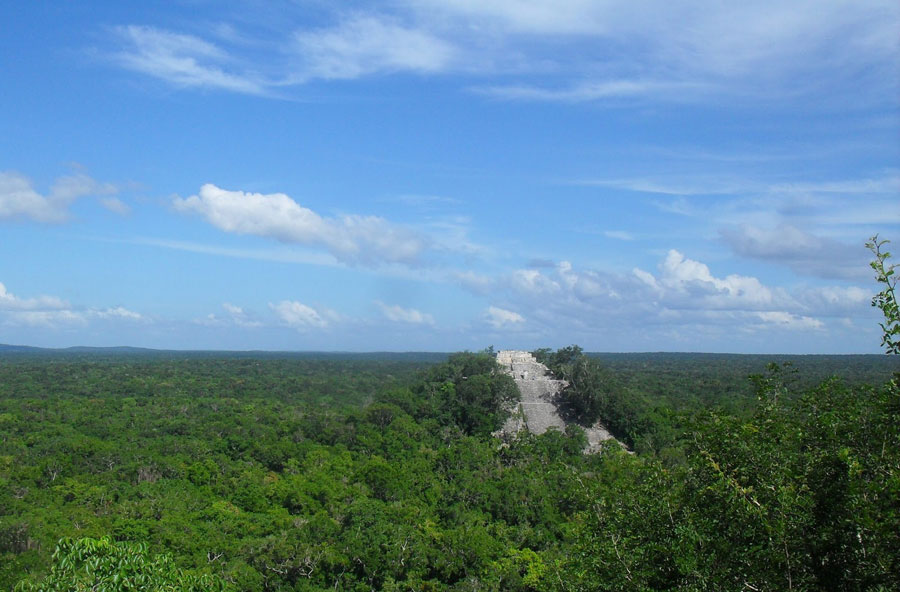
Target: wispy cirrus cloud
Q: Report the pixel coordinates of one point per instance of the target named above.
(549, 51)
(185, 60)
(363, 45)
(688, 52)
(587, 91)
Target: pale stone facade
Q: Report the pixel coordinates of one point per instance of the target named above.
(536, 410)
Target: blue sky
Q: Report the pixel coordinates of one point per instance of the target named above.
(445, 175)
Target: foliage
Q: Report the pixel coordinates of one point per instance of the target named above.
(593, 393)
(469, 393)
(356, 474)
(801, 495)
(886, 300)
(102, 565)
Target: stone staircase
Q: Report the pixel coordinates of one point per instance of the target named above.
(536, 410)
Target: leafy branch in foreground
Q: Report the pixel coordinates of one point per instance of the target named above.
(886, 300)
(101, 565)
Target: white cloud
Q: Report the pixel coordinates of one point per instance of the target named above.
(801, 251)
(705, 36)
(679, 185)
(692, 279)
(364, 45)
(836, 301)
(350, 238)
(500, 317)
(281, 255)
(646, 278)
(618, 235)
(552, 50)
(115, 205)
(68, 188)
(19, 199)
(533, 282)
(589, 91)
(50, 319)
(536, 17)
(787, 320)
(474, 282)
(399, 314)
(52, 312)
(681, 305)
(9, 301)
(298, 315)
(232, 309)
(183, 60)
(234, 316)
(118, 312)
(888, 184)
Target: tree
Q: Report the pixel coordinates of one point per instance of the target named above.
(101, 565)
(886, 300)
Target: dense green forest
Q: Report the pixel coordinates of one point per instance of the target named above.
(155, 471)
(302, 472)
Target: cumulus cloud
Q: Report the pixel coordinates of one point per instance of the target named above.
(500, 317)
(681, 303)
(533, 282)
(685, 277)
(350, 238)
(19, 199)
(398, 314)
(234, 316)
(9, 301)
(299, 316)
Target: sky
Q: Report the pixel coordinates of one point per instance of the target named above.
(424, 175)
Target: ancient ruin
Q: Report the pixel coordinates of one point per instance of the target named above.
(536, 410)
